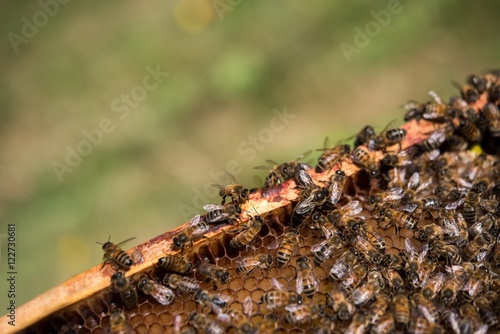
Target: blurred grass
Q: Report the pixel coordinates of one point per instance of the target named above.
(226, 76)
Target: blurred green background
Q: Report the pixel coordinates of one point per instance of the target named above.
(230, 64)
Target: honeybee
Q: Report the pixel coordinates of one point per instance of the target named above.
(174, 263)
(306, 281)
(331, 156)
(360, 322)
(312, 196)
(394, 280)
(202, 323)
(399, 219)
(480, 244)
(385, 325)
(300, 314)
(118, 322)
(336, 187)
(471, 321)
(236, 191)
(392, 261)
(401, 310)
(483, 306)
(341, 266)
(240, 320)
(484, 224)
(219, 213)
(437, 138)
(279, 297)
(373, 237)
(469, 130)
(401, 159)
(351, 209)
(280, 173)
(451, 320)
(250, 263)
(195, 229)
(414, 259)
(425, 307)
(181, 283)
(479, 276)
(451, 253)
(378, 308)
(430, 232)
(286, 248)
(246, 234)
(387, 138)
(325, 248)
(433, 285)
(215, 302)
(354, 277)
(363, 248)
(363, 159)
(340, 305)
(392, 196)
(161, 293)
(468, 92)
(214, 272)
(115, 256)
(364, 136)
(492, 115)
(361, 295)
(451, 286)
(121, 285)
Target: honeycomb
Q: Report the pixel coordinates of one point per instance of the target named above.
(445, 226)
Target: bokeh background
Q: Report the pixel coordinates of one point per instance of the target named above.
(230, 64)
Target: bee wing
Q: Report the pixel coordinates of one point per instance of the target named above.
(277, 285)
(293, 307)
(394, 194)
(352, 208)
(163, 294)
(304, 155)
(230, 178)
(305, 205)
(483, 329)
(454, 322)
(248, 306)
(408, 207)
(303, 179)
(372, 144)
(336, 193)
(423, 253)
(436, 97)
(249, 262)
(409, 247)
(455, 204)
(318, 246)
(275, 244)
(177, 324)
(425, 312)
(414, 181)
(125, 241)
(450, 226)
(300, 283)
(212, 207)
(195, 220)
(224, 318)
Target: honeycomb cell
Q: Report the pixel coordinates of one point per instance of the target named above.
(250, 283)
(145, 308)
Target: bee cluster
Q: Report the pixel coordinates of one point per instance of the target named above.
(386, 237)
